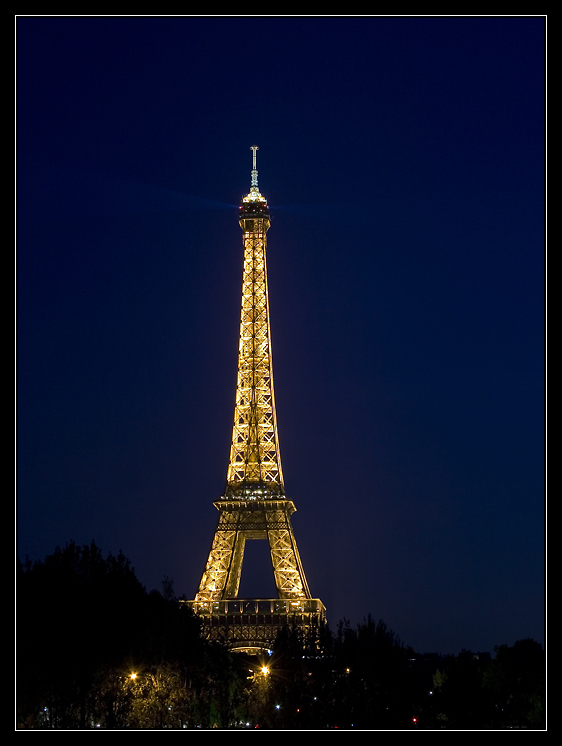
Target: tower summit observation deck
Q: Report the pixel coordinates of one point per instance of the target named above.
(254, 504)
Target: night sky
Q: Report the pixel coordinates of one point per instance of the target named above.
(403, 161)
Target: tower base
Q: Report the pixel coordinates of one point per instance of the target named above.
(252, 625)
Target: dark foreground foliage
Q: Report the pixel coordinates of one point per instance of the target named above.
(95, 650)
(85, 624)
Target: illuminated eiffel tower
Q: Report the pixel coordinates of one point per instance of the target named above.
(254, 504)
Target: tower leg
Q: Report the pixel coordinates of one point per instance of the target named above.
(242, 520)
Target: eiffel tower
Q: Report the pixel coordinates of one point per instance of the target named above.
(254, 504)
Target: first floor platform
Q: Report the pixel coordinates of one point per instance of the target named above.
(252, 625)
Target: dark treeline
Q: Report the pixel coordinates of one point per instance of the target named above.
(95, 650)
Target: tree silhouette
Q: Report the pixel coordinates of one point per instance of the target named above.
(83, 624)
(94, 649)
(515, 684)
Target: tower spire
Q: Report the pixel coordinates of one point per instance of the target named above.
(254, 194)
(254, 168)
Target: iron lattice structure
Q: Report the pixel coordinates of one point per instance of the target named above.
(254, 504)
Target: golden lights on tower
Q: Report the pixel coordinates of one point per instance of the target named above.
(254, 504)
(255, 464)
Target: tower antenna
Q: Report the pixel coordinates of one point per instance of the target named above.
(254, 169)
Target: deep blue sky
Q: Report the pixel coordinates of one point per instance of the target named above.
(403, 162)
